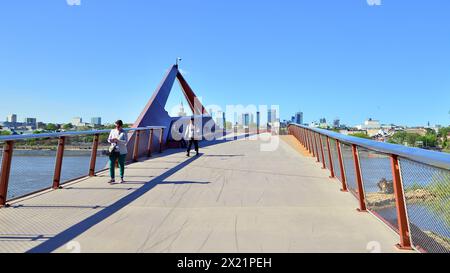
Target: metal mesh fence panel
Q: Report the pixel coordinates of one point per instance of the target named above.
(77, 157)
(102, 158)
(130, 146)
(143, 143)
(325, 151)
(427, 196)
(319, 148)
(335, 158)
(378, 185)
(32, 166)
(349, 168)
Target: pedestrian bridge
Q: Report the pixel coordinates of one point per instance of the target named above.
(309, 191)
(232, 198)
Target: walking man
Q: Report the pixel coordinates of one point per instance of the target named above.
(193, 134)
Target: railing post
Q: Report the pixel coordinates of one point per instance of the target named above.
(322, 153)
(330, 158)
(305, 144)
(224, 124)
(150, 144)
(161, 140)
(403, 227)
(341, 166)
(307, 141)
(312, 143)
(300, 135)
(361, 198)
(5, 172)
(94, 155)
(58, 164)
(136, 146)
(317, 148)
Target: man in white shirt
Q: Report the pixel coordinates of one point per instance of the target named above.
(193, 133)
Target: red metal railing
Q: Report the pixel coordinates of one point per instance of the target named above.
(365, 169)
(9, 142)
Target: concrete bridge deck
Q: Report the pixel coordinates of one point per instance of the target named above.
(233, 198)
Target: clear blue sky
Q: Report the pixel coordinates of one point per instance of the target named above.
(327, 58)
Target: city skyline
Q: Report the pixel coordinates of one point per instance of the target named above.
(328, 58)
(22, 118)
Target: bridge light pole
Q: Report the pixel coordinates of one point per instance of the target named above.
(177, 62)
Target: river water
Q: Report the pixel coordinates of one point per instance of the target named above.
(33, 173)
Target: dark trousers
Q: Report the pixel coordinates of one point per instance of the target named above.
(195, 142)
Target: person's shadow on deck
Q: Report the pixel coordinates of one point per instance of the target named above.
(69, 234)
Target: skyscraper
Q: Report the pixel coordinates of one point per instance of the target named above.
(299, 118)
(182, 113)
(11, 118)
(77, 121)
(96, 121)
(336, 123)
(272, 115)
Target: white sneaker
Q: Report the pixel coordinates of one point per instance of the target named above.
(122, 180)
(112, 181)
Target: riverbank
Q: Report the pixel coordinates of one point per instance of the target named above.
(379, 200)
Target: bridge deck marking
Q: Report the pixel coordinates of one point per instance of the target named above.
(233, 198)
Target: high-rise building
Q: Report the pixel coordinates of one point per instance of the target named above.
(246, 119)
(77, 121)
(220, 117)
(337, 123)
(299, 118)
(11, 118)
(30, 120)
(96, 121)
(182, 112)
(272, 116)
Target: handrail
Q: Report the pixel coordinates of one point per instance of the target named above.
(433, 158)
(9, 141)
(73, 133)
(369, 182)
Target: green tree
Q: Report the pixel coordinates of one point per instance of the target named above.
(67, 126)
(429, 140)
(361, 135)
(5, 133)
(51, 127)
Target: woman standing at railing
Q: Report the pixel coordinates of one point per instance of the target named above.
(118, 150)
